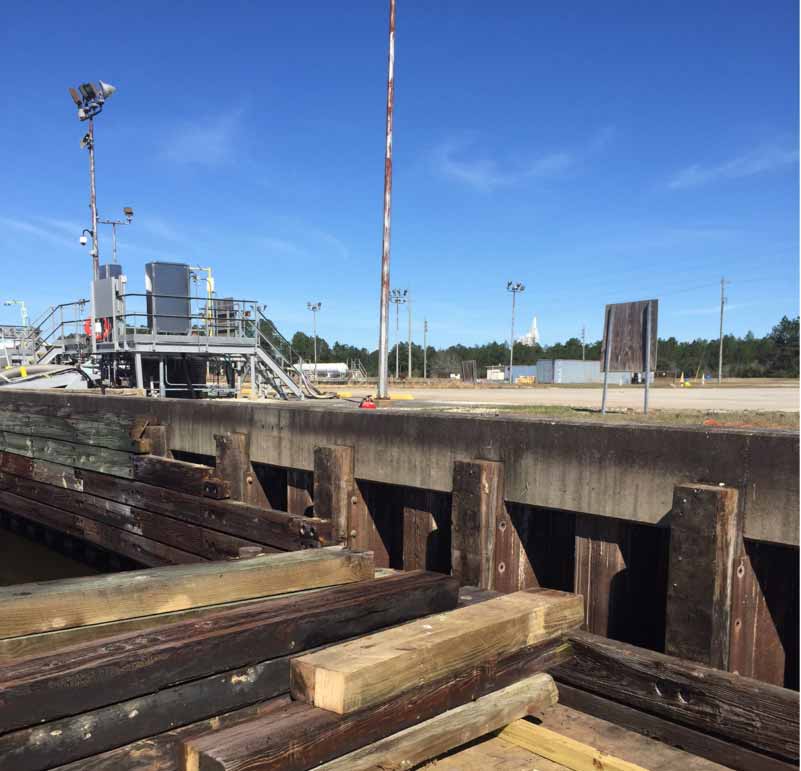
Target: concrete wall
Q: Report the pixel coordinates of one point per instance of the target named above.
(626, 472)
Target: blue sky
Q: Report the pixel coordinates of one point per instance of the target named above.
(597, 152)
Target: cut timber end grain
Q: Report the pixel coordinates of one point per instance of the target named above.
(42, 607)
(372, 669)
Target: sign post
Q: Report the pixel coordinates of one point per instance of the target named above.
(630, 342)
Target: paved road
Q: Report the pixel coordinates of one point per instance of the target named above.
(780, 398)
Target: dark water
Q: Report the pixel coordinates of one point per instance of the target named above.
(23, 560)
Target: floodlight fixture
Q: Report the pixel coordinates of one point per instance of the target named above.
(128, 212)
(75, 97)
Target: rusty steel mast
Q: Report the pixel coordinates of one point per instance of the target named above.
(383, 352)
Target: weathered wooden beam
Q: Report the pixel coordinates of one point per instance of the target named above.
(189, 537)
(177, 475)
(426, 530)
(111, 429)
(305, 736)
(143, 550)
(691, 740)
(451, 729)
(159, 443)
(562, 749)
(90, 733)
(334, 487)
(106, 461)
(477, 500)
(299, 490)
(29, 608)
(234, 467)
(47, 643)
(705, 528)
(600, 571)
(764, 623)
(163, 752)
(121, 668)
(757, 715)
(364, 672)
(266, 526)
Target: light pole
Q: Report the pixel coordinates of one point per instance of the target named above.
(314, 308)
(425, 348)
(90, 103)
(514, 288)
(383, 332)
(128, 212)
(409, 313)
(397, 296)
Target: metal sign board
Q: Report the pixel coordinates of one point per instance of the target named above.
(625, 335)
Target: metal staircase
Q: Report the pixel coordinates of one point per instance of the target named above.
(279, 365)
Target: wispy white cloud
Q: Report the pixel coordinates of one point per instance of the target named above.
(457, 160)
(712, 310)
(55, 231)
(160, 228)
(207, 141)
(758, 161)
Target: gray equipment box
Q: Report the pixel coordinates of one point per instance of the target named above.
(105, 299)
(109, 270)
(169, 305)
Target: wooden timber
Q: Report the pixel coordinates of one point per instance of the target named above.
(265, 526)
(143, 550)
(30, 608)
(477, 500)
(562, 749)
(234, 468)
(305, 736)
(114, 462)
(451, 729)
(705, 530)
(124, 667)
(192, 538)
(756, 715)
(163, 752)
(700, 744)
(68, 739)
(369, 670)
(110, 430)
(46, 643)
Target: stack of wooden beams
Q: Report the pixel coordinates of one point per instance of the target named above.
(108, 480)
(106, 672)
(404, 695)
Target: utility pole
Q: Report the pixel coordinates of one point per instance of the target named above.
(409, 310)
(514, 288)
(90, 103)
(314, 308)
(583, 342)
(425, 348)
(383, 333)
(720, 346)
(398, 296)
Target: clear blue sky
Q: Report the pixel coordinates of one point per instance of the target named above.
(597, 152)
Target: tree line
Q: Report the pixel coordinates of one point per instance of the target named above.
(774, 355)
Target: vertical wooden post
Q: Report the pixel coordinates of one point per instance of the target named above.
(477, 498)
(599, 575)
(233, 466)
(299, 486)
(705, 528)
(333, 487)
(338, 496)
(426, 530)
(512, 568)
(765, 612)
(157, 435)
